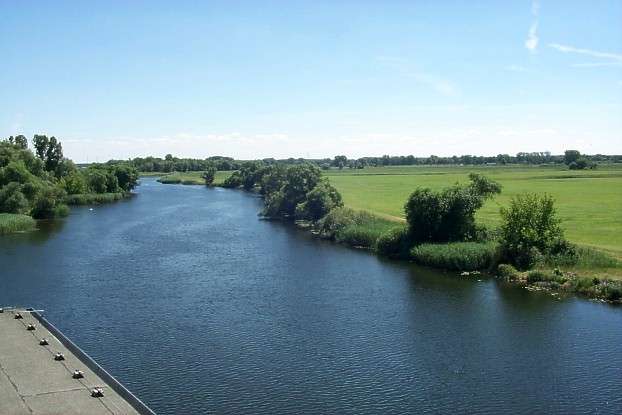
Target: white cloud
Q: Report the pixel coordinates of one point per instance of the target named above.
(588, 52)
(595, 64)
(532, 37)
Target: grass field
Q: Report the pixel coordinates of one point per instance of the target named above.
(588, 202)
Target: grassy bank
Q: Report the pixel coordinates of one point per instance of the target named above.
(95, 198)
(11, 222)
(587, 201)
(192, 178)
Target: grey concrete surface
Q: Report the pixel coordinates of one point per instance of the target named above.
(32, 382)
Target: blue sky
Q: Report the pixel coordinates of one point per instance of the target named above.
(313, 79)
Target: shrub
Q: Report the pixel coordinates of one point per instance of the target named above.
(12, 200)
(61, 211)
(448, 215)
(530, 229)
(461, 256)
(582, 285)
(233, 181)
(358, 236)
(354, 227)
(507, 271)
(394, 244)
(613, 293)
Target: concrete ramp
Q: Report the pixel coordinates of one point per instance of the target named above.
(34, 379)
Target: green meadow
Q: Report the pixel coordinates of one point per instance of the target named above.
(588, 202)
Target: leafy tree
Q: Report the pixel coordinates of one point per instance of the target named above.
(299, 180)
(209, 175)
(272, 178)
(96, 180)
(530, 229)
(41, 143)
(53, 154)
(15, 171)
(448, 215)
(47, 202)
(19, 141)
(74, 183)
(340, 162)
(127, 176)
(319, 201)
(12, 200)
(571, 156)
(233, 181)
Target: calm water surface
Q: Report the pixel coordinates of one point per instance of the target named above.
(198, 306)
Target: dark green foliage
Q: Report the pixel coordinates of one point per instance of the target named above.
(340, 162)
(571, 156)
(613, 292)
(234, 181)
(38, 185)
(127, 176)
(12, 200)
(48, 202)
(394, 243)
(272, 178)
(96, 180)
(530, 230)
(209, 174)
(319, 201)
(170, 164)
(74, 183)
(20, 142)
(448, 215)
(297, 182)
(461, 256)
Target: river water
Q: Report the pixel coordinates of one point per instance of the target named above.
(198, 306)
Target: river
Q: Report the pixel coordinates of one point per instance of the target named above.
(198, 306)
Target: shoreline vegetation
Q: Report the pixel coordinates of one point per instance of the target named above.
(538, 258)
(41, 184)
(15, 222)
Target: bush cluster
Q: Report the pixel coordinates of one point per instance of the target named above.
(38, 183)
(448, 215)
(290, 191)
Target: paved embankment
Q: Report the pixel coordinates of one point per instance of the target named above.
(34, 379)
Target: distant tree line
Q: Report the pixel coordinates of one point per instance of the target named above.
(170, 164)
(572, 158)
(536, 158)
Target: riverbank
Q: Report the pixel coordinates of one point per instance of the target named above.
(13, 222)
(588, 271)
(190, 177)
(96, 198)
